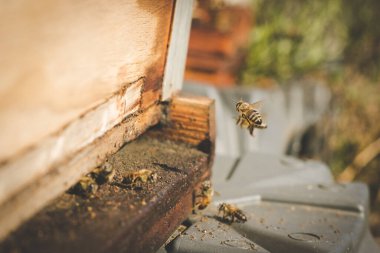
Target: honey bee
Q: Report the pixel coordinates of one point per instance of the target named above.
(103, 174)
(139, 177)
(231, 212)
(86, 186)
(204, 198)
(249, 116)
(89, 184)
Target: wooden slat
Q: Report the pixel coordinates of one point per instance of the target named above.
(216, 48)
(212, 42)
(59, 59)
(191, 119)
(208, 62)
(74, 137)
(220, 79)
(179, 40)
(71, 73)
(117, 218)
(33, 196)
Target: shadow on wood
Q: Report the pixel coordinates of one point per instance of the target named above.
(120, 219)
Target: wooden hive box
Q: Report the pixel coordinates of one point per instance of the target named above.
(78, 81)
(218, 39)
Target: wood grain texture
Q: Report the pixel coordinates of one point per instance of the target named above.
(33, 196)
(190, 119)
(129, 219)
(117, 218)
(61, 58)
(58, 148)
(218, 40)
(179, 40)
(78, 80)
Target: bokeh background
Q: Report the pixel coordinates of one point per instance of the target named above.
(266, 43)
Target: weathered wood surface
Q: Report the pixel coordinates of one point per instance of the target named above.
(190, 119)
(217, 39)
(69, 73)
(78, 80)
(179, 40)
(60, 59)
(74, 137)
(34, 195)
(121, 219)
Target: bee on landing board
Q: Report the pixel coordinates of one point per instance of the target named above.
(89, 184)
(103, 174)
(204, 197)
(85, 187)
(140, 177)
(249, 116)
(231, 212)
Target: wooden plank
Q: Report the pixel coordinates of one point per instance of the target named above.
(208, 62)
(190, 119)
(217, 78)
(179, 40)
(70, 72)
(117, 218)
(216, 48)
(59, 59)
(19, 172)
(33, 196)
(212, 42)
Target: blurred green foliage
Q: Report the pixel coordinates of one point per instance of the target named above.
(294, 37)
(363, 47)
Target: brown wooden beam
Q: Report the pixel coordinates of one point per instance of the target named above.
(190, 119)
(118, 218)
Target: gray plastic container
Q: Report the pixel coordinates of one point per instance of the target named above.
(291, 205)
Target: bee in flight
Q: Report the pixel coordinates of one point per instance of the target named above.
(249, 116)
(231, 212)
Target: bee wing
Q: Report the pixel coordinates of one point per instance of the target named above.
(257, 105)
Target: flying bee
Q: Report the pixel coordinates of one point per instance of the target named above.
(231, 212)
(86, 186)
(249, 116)
(204, 197)
(140, 177)
(103, 174)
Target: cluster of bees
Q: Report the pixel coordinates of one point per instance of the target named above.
(227, 212)
(140, 177)
(249, 116)
(89, 184)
